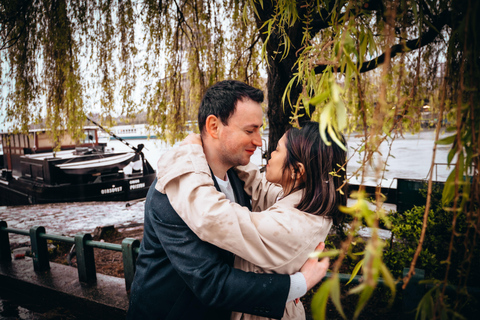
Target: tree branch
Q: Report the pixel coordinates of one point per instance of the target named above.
(9, 20)
(320, 19)
(425, 39)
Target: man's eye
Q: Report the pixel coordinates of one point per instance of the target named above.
(249, 131)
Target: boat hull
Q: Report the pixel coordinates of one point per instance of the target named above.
(120, 188)
(96, 165)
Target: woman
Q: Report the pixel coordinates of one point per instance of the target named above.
(298, 196)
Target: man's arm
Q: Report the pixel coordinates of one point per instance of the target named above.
(253, 236)
(202, 267)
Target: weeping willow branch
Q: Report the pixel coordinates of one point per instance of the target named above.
(426, 38)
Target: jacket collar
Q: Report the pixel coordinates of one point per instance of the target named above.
(237, 185)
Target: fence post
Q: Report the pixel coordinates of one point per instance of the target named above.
(5, 254)
(85, 259)
(39, 249)
(413, 293)
(129, 258)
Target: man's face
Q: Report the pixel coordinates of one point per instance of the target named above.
(239, 139)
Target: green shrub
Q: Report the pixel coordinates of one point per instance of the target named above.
(406, 230)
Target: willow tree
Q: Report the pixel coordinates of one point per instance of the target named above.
(422, 49)
(352, 65)
(63, 58)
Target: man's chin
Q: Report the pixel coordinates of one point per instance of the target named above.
(244, 162)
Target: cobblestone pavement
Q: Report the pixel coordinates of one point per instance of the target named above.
(71, 218)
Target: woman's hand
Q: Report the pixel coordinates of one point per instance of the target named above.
(192, 138)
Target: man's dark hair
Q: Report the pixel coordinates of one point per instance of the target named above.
(221, 99)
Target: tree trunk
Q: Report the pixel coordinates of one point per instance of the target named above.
(278, 114)
(280, 72)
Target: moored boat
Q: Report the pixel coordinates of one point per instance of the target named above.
(34, 173)
(96, 165)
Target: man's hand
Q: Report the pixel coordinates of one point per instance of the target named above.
(192, 138)
(313, 270)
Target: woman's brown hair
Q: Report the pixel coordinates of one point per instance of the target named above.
(323, 176)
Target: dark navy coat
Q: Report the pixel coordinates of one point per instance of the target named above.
(179, 276)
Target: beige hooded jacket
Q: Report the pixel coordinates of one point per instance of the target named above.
(275, 240)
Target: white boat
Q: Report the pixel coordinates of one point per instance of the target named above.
(100, 164)
(136, 131)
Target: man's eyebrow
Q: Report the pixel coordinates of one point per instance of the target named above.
(252, 125)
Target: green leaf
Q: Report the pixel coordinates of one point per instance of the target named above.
(321, 255)
(335, 295)
(447, 140)
(357, 289)
(425, 306)
(348, 76)
(287, 91)
(324, 121)
(449, 189)
(335, 92)
(349, 61)
(363, 49)
(341, 116)
(361, 253)
(319, 301)
(355, 270)
(334, 137)
(450, 156)
(319, 98)
(387, 277)
(362, 301)
(306, 105)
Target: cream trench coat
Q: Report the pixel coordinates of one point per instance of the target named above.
(275, 240)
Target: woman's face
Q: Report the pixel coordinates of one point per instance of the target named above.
(274, 172)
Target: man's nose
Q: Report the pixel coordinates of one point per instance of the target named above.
(257, 140)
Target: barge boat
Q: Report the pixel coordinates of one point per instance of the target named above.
(33, 173)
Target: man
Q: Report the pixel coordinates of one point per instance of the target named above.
(179, 276)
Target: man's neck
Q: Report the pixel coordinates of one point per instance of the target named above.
(218, 167)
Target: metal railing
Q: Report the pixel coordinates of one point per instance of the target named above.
(84, 245)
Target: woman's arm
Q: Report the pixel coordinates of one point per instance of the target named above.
(264, 194)
(268, 239)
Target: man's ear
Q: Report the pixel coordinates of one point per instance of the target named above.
(212, 126)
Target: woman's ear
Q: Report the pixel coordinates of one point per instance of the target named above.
(299, 174)
(301, 170)
(211, 126)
